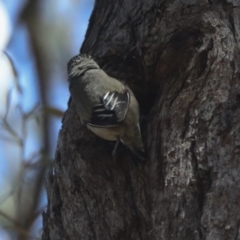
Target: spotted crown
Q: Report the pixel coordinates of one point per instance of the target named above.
(77, 59)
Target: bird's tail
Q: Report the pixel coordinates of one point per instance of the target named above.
(139, 152)
(133, 140)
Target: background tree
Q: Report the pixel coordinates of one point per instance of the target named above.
(34, 94)
(181, 58)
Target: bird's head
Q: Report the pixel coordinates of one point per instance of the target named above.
(79, 64)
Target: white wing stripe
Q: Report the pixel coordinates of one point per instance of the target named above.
(110, 99)
(114, 103)
(106, 95)
(105, 115)
(100, 110)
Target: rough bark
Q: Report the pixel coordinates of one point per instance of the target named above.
(182, 60)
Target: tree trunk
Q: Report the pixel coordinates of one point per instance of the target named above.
(181, 58)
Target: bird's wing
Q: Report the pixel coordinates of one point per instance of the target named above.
(111, 111)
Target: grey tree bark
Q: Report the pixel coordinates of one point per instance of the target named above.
(181, 58)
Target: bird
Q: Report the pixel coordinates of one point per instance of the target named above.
(107, 106)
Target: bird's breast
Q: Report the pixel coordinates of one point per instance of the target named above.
(105, 133)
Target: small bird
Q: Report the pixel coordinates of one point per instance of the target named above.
(107, 106)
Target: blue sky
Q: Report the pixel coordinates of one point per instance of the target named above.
(64, 24)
